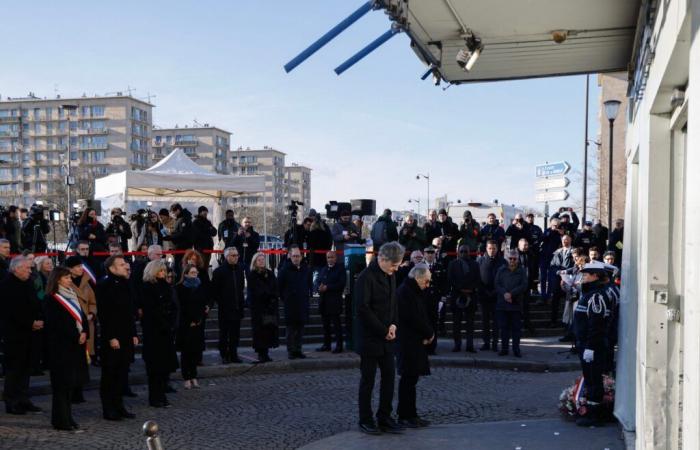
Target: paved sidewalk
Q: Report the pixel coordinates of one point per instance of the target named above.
(548, 434)
(539, 355)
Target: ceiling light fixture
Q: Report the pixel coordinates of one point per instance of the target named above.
(466, 57)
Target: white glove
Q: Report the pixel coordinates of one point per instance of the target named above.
(588, 355)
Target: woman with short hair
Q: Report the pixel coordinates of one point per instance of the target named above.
(66, 325)
(158, 320)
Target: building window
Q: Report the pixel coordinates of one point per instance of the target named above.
(99, 156)
(49, 112)
(158, 139)
(97, 110)
(26, 172)
(168, 140)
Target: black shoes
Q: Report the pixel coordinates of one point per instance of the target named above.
(300, 355)
(517, 353)
(296, 355)
(31, 407)
(503, 353)
(291, 356)
(264, 358)
(471, 350)
(390, 426)
(324, 348)
(126, 414)
(369, 428)
(337, 350)
(160, 404)
(236, 360)
(415, 422)
(112, 416)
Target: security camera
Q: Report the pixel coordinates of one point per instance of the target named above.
(466, 57)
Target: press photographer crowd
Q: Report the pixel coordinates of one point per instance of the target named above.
(384, 290)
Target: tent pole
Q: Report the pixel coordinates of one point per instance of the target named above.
(265, 222)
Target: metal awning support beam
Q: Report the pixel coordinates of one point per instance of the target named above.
(329, 36)
(372, 46)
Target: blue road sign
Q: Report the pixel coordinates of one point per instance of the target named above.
(551, 170)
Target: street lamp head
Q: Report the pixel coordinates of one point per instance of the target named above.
(611, 109)
(417, 177)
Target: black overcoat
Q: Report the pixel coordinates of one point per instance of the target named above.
(376, 310)
(20, 308)
(67, 357)
(115, 315)
(331, 301)
(159, 311)
(414, 327)
(227, 286)
(192, 304)
(263, 298)
(295, 289)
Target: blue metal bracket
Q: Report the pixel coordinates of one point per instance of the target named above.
(329, 36)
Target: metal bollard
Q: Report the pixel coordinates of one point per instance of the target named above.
(150, 430)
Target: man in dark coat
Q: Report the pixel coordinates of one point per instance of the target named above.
(118, 230)
(432, 228)
(489, 264)
(181, 236)
(21, 318)
(616, 237)
(203, 233)
(551, 241)
(510, 284)
(413, 334)
(5, 250)
(519, 229)
(561, 260)
(492, 231)
(376, 319)
(247, 241)
(228, 229)
(227, 291)
(585, 238)
(528, 263)
(463, 277)
(295, 289)
(434, 293)
(331, 284)
(469, 231)
(118, 336)
(449, 233)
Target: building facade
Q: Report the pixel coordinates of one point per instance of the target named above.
(613, 86)
(102, 134)
(268, 162)
(297, 181)
(208, 146)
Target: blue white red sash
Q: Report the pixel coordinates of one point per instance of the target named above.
(91, 275)
(73, 309)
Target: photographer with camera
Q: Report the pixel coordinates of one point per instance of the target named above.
(90, 229)
(298, 234)
(519, 229)
(34, 230)
(118, 231)
(344, 231)
(568, 221)
(137, 225)
(11, 227)
(152, 232)
(247, 241)
(411, 236)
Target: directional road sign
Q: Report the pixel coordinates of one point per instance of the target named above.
(551, 183)
(551, 196)
(552, 170)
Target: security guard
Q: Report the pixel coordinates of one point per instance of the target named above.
(613, 290)
(591, 326)
(435, 291)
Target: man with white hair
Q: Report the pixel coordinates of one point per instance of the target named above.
(4, 257)
(21, 318)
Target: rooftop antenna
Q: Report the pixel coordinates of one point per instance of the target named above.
(196, 124)
(129, 89)
(148, 97)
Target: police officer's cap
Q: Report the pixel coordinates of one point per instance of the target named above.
(595, 267)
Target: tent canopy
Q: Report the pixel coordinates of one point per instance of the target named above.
(176, 176)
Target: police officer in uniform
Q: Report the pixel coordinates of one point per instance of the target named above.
(591, 326)
(435, 291)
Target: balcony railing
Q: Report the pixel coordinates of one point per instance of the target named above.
(9, 134)
(94, 146)
(186, 142)
(94, 131)
(9, 119)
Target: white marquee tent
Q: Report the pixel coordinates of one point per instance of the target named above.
(176, 178)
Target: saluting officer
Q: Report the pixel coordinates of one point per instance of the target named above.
(591, 325)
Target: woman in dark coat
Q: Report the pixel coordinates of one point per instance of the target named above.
(413, 333)
(190, 341)
(90, 229)
(67, 328)
(195, 258)
(159, 311)
(263, 297)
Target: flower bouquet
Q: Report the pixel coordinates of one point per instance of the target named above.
(573, 403)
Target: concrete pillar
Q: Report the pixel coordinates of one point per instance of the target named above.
(691, 306)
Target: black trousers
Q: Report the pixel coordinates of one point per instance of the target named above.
(188, 364)
(157, 383)
(557, 295)
(463, 318)
(368, 369)
(331, 325)
(526, 308)
(17, 371)
(489, 323)
(511, 326)
(295, 335)
(111, 387)
(229, 336)
(407, 397)
(62, 394)
(593, 374)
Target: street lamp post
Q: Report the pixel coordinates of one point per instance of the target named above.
(427, 177)
(69, 109)
(611, 109)
(585, 157)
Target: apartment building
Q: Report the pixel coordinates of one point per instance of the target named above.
(298, 185)
(266, 161)
(105, 134)
(208, 146)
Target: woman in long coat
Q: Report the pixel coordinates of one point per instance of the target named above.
(263, 298)
(193, 257)
(413, 333)
(159, 311)
(66, 325)
(190, 341)
(80, 283)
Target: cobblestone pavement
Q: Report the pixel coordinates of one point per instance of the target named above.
(286, 410)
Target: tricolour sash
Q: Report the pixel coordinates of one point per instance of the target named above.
(93, 278)
(74, 311)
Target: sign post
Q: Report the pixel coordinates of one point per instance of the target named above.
(550, 183)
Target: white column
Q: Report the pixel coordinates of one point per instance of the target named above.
(691, 305)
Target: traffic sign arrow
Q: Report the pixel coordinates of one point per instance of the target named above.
(551, 183)
(551, 196)
(552, 170)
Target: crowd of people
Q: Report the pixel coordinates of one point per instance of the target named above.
(85, 310)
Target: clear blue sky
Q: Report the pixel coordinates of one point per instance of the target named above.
(365, 134)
